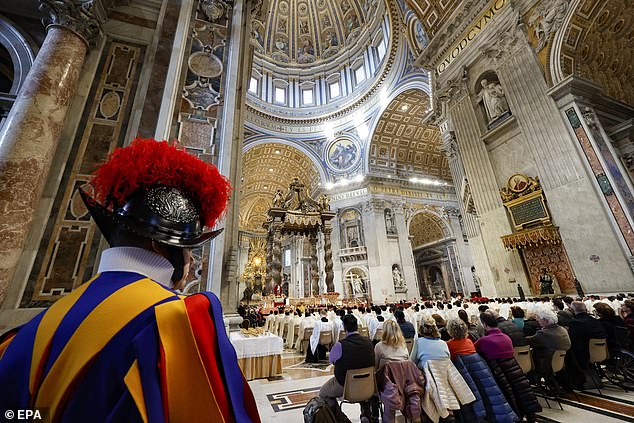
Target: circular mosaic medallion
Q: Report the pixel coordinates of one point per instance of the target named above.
(205, 64)
(284, 7)
(342, 154)
(109, 104)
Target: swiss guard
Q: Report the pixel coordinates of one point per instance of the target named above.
(125, 346)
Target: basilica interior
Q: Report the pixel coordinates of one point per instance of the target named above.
(380, 151)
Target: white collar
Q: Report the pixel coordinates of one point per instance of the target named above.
(137, 260)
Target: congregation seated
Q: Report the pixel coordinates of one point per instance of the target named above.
(473, 329)
(610, 322)
(530, 323)
(564, 314)
(627, 311)
(391, 347)
(441, 324)
(510, 329)
(490, 401)
(497, 349)
(428, 346)
(406, 327)
(550, 338)
(583, 328)
(518, 317)
(459, 344)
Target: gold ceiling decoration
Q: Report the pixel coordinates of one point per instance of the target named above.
(599, 46)
(432, 13)
(265, 169)
(304, 32)
(426, 228)
(403, 144)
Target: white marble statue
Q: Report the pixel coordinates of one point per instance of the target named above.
(494, 99)
(397, 277)
(357, 285)
(390, 225)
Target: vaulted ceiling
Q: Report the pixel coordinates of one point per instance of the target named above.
(303, 32)
(599, 46)
(405, 146)
(265, 169)
(426, 228)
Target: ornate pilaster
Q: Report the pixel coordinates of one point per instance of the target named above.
(31, 132)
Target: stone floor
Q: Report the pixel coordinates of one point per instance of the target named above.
(282, 399)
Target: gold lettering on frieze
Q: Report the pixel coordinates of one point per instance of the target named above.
(493, 9)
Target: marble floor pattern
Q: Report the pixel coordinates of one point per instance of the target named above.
(282, 399)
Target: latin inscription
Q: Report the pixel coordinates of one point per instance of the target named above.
(494, 8)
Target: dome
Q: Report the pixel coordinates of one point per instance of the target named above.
(313, 57)
(302, 33)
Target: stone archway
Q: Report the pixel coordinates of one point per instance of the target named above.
(430, 236)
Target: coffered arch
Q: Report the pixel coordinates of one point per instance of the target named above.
(433, 13)
(426, 227)
(267, 167)
(598, 44)
(403, 145)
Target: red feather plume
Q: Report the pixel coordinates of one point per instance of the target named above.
(147, 162)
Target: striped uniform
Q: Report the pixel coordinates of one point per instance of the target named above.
(125, 348)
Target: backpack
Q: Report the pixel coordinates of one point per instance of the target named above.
(319, 411)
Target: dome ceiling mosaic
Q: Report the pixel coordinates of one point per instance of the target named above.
(305, 32)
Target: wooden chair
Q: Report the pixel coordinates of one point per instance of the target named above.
(378, 334)
(409, 343)
(556, 364)
(325, 338)
(308, 332)
(524, 357)
(295, 334)
(342, 335)
(364, 332)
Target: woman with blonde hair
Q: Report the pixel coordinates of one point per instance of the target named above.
(429, 346)
(392, 346)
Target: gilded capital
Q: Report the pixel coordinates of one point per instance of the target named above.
(83, 17)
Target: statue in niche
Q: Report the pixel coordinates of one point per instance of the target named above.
(278, 199)
(397, 278)
(353, 236)
(390, 224)
(358, 287)
(492, 95)
(324, 202)
(546, 282)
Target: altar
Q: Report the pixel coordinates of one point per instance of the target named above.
(259, 356)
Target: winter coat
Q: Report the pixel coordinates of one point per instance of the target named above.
(401, 386)
(497, 409)
(445, 389)
(515, 333)
(515, 386)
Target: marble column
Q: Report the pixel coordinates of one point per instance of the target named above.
(330, 286)
(31, 132)
(276, 267)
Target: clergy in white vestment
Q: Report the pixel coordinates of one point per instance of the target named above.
(308, 321)
(268, 323)
(290, 336)
(315, 351)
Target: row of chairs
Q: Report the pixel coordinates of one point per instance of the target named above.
(598, 349)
